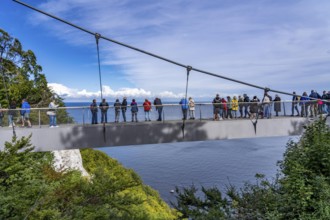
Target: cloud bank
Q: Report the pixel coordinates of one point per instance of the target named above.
(73, 94)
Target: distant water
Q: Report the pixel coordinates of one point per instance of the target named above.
(209, 163)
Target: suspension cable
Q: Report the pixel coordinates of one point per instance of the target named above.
(185, 102)
(155, 55)
(97, 37)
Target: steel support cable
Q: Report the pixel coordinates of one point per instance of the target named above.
(189, 68)
(157, 56)
(97, 37)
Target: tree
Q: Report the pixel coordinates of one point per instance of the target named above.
(301, 189)
(22, 77)
(31, 189)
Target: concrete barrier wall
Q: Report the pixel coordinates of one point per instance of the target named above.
(92, 136)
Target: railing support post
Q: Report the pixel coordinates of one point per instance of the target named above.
(39, 119)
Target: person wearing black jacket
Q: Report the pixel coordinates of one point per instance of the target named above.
(12, 113)
(104, 106)
(246, 105)
(124, 108)
(324, 97)
(159, 107)
(94, 110)
(295, 101)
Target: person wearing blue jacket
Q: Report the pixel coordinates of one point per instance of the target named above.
(94, 109)
(25, 112)
(304, 103)
(314, 96)
(184, 107)
(134, 110)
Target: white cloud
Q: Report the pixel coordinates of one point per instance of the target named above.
(278, 44)
(71, 93)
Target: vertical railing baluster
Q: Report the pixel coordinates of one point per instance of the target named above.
(39, 118)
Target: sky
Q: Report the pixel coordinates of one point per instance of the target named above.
(279, 44)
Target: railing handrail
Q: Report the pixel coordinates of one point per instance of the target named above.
(167, 104)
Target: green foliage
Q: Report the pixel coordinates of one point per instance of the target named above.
(22, 77)
(21, 179)
(210, 205)
(122, 188)
(306, 168)
(30, 188)
(301, 189)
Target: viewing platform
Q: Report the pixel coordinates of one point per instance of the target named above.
(76, 136)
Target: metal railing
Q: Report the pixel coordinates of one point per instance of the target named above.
(170, 112)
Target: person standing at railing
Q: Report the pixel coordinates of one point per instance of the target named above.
(229, 107)
(159, 107)
(147, 108)
(104, 106)
(216, 107)
(313, 102)
(240, 105)
(234, 106)
(191, 108)
(117, 106)
(328, 102)
(12, 114)
(94, 110)
(184, 108)
(324, 106)
(52, 114)
(277, 104)
(254, 107)
(266, 103)
(246, 105)
(295, 101)
(124, 108)
(134, 110)
(223, 109)
(26, 108)
(304, 103)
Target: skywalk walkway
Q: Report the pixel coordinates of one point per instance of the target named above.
(122, 134)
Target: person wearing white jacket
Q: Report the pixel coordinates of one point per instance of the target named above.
(52, 114)
(191, 105)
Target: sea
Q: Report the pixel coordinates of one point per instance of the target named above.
(206, 163)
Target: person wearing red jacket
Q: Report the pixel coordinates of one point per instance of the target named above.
(147, 108)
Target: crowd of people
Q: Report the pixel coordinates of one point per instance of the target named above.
(122, 107)
(223, 108)
(24, 117)
(310, 105)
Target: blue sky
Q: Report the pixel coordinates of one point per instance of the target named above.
(284, 45)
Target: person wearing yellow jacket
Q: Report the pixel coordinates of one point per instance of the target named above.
(234, 106)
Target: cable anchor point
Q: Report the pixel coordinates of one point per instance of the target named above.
(97, 37)
(189, 68)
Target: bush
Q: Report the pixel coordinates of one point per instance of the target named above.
(301, 189)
